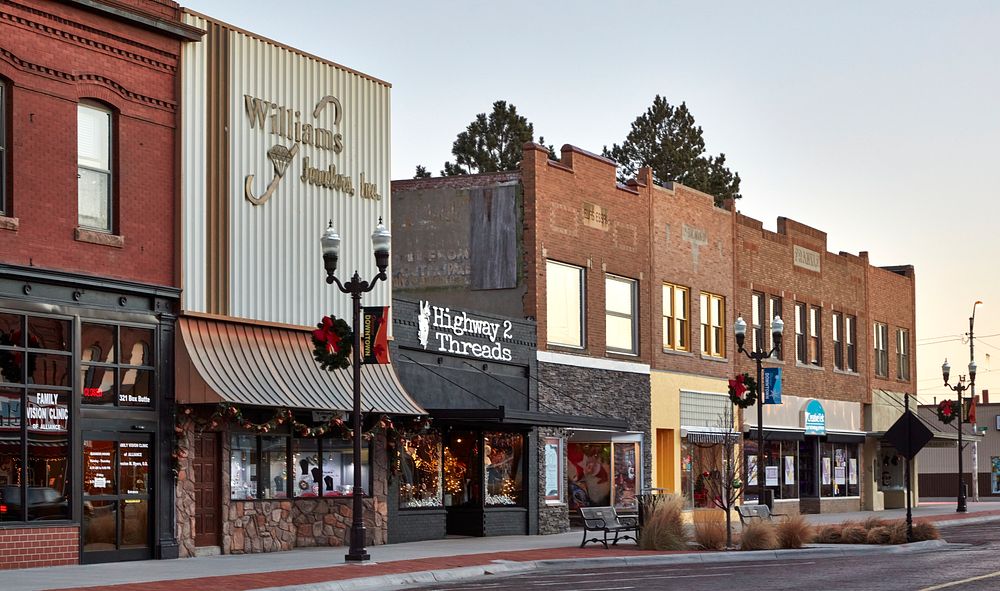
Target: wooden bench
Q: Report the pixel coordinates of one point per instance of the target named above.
(607, 520)
(748, 513)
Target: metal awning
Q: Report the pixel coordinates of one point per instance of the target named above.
(511, 416)
(256, 364)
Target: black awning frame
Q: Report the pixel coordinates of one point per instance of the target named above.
(509, 416)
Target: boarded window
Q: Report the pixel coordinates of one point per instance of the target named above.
(493, 239)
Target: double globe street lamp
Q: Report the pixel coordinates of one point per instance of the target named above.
(777, 328)
(356, 287)
(960, 389)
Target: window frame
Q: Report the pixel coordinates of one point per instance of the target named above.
(851, 336)
(556, 499)
(757, 320)
(801, 342)
(903, 354)
(111, 171)
(816, 336)
(881, 349)
(673, 326)
(120, 367)
(582, 274)
(837, 319)
(713, 336)
(632, 316)
(775, 309)
(6, 210)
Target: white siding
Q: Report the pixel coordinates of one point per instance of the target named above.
(193, 152)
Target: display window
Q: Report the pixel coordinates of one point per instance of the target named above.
(421, 477)
(780, 471)
(588, 474)
(502, 453)
(625, 470)
(553, 477)
(839, 470)
(260, 468)
(116, 368)
(699, 463)
(462, 477)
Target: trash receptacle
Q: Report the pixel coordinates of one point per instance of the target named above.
(769, 499)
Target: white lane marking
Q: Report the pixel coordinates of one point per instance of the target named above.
(630, 579)
(969, 580)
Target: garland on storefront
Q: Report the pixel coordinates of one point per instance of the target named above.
(743, 390)
(946, 411)
(332, 343)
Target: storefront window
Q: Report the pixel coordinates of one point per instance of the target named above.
(625, 475)
(420, 476)
(461, 469)
(274, 467)
(780, 470)
(338, 468)
(502, 454)
(117, 366)
(588, 474)
(305, 468)
(34, 421)
(699, 463)
(243, 467)
(839, 470)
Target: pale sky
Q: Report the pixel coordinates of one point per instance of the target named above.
(876, 124)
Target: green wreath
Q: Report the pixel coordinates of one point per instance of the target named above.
(743, 390)
(946, 411)
(332, 343)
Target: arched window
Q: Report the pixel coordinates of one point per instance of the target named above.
(94, 171)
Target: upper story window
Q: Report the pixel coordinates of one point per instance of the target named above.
(881, 350)
(620, 321)
(775, 310)
(757, 320)
(838, 340)
(675, 317)
(713, 316)
(94, 159)
(564, 304)
(903, 354)
(4, 154)
(801, 345)
(117, 366)
(851, 335)
(815, 335)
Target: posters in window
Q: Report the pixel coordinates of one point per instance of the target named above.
(588, 473)
(552, 469)
(625, 471)
(770, 476)
(995, 475)
(852, 473)
(825, 464)
(751, 470)
(838, 475)
(789, 470)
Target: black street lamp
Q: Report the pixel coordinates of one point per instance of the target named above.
(959, 388)
(356, 286)
(740, 328)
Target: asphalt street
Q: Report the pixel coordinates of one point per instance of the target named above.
(975, 567)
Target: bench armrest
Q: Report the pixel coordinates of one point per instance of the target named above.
(629, 520)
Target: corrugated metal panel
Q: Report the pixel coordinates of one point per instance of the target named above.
(702, 409)
(275, 267)
(194, 62)
(273, 366)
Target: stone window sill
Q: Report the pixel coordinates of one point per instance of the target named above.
(99, 238)
(8, 223)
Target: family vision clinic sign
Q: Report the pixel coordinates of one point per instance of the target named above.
(814, 418)
(460, 333)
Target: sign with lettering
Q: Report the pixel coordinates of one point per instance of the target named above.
(772, 385)
(805, 258)
(375, 336)
(452, 331)
(814, 418)
(47, 413)
(595, 216)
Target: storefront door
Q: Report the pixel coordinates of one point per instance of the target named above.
(117, 496)
(205, 468)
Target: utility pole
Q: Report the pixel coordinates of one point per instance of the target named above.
(972, 391)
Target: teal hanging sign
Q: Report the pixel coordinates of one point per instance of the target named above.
(814, 418)
(772, 385)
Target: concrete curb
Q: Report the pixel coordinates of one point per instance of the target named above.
(965, 521)
(405, 580)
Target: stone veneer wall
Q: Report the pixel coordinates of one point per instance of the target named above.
(279, 524)
(552, 518)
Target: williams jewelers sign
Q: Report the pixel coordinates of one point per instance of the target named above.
(460, 333)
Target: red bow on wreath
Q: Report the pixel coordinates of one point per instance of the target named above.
(327, 335)
(738, 386)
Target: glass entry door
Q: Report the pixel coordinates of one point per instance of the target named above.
(117, 496)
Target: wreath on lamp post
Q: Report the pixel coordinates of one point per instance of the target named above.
(946, 411)
(332, 343)
(743, 390)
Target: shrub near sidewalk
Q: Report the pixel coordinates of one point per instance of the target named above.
(759, 535)
(794, 532)
(874, 531)
(663, 526)
(710, 535)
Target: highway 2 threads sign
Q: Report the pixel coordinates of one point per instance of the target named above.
(460, 333)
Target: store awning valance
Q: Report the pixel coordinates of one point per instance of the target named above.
(712, 437)
(776, 435)
(509, 416)
(226, 360)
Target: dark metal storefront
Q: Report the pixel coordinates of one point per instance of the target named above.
(86, 410)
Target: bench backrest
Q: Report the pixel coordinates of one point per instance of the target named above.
(759, 511)
(600, 516)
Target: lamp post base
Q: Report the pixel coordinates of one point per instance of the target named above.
(962, 505)
(357, 553)
(361, 556)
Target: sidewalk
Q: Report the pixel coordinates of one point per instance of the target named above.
(473, 555)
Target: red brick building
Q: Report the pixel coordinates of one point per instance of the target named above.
(88, 284)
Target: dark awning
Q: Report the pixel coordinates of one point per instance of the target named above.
(772, 435)
(509, 416)
(845, 437)
(226, 360)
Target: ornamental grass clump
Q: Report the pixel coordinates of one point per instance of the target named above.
(853, 533)
(924, 531)
(879, 535)
(759, 535)
(710, 535)
(794, 532)
(829, 534)
(663, 528)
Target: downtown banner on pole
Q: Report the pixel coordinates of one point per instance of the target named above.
(375, 335)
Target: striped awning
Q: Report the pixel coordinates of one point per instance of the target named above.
(257, 364)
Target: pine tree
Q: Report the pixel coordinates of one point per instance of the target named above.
(490, 143)
(422, 173)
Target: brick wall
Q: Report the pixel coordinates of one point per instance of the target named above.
(39, 546)
(54, 55)
(891, 301)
